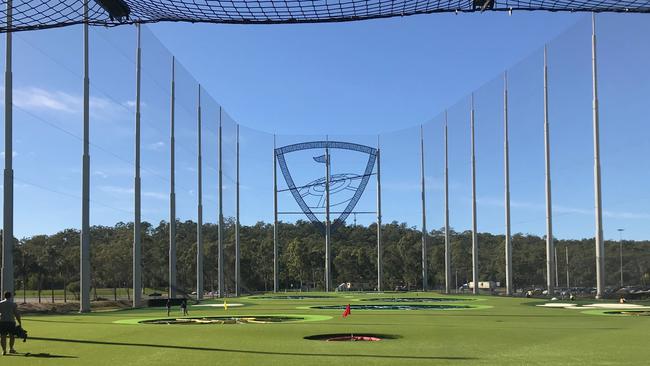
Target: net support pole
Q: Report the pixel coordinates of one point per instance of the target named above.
(447, 243)
(474, 233)
(506, 164)
(237, 243)
(172, 190)
(549, 202)
(199, 208)
(220, 254)
(275, 220)
(600, 244)
(8, 188)
(137, 190)
(379, 246)
(84, 287)
(328, 249)
(424, 213)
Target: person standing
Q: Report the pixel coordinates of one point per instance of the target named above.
(184, 307)
(8, 316)
(169, 306)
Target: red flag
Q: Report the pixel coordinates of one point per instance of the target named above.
(347, 311)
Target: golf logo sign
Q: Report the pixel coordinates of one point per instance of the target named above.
(309, 191)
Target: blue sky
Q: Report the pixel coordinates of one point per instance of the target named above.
(351, 82)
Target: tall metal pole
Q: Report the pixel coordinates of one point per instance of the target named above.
(276, 273)
(447, 242)
(379, 247)
(7, 282)
(474, 233)
(137, 190)
(199, 208)
(424, 212)
(620, 252)
(172, 191)
(506, 164)
(600, 243)
(237, 248)
(550, 245)
(84, 288)
(328, 249)
(220, 260)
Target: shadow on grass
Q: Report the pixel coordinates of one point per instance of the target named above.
(44, 355)
(209, 349)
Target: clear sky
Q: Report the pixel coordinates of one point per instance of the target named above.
(351, 82)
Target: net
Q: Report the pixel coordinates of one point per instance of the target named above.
(38, 14)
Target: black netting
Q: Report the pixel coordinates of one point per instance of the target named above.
(36, 14)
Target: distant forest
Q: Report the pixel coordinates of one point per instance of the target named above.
(46, 262)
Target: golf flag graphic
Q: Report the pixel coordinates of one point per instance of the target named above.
(225, 305)
(347, 311)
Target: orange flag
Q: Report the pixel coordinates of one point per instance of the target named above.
(347, 311)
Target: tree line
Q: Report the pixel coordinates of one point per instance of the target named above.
(46, 262)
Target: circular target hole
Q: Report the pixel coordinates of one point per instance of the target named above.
(351, 337)
(223, 320)
(416, 299)
(629, 312)
(394, 307)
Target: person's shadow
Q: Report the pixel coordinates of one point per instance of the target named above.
(42, 355)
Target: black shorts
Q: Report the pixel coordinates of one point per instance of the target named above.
(7, 328)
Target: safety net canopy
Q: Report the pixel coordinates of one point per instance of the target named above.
(38, 14)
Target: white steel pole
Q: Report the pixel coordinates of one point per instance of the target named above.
(7, 282)
(379, 246)
(506, 163)
(600, 243)
(328, 253)
(199, 208)
(276, 258)
(137, 235)
(84, 303)
(220, 254)
(550, 245)
(447, 242)
(474, 233)
(237, 244)
(172, 190)
(424, 210)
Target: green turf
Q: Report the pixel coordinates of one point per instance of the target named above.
(502, 331)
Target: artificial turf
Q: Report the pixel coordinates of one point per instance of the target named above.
(498, 331)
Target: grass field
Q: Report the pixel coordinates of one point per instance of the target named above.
(499, 331)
